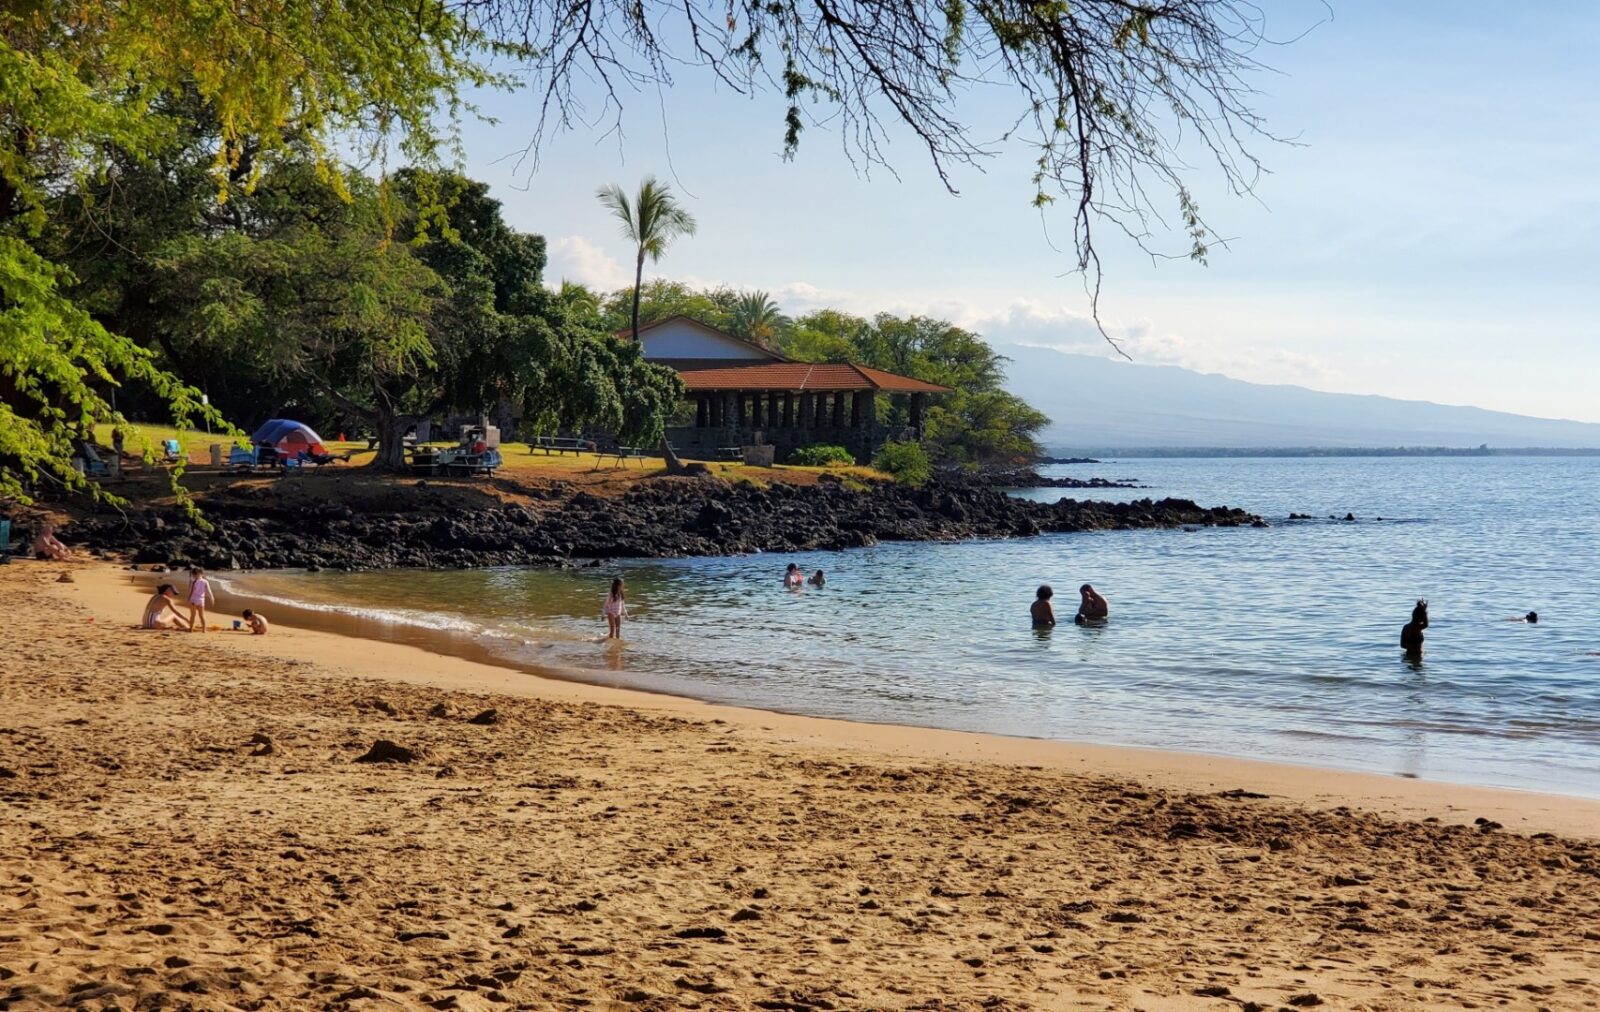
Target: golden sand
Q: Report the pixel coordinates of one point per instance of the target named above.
(184, 824)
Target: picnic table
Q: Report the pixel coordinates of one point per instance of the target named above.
(623, 454)
(424, 460)
(733, 453)
(561, 444)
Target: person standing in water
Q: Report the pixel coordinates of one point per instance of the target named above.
(793, 579)
(817, 579)
(1411, 632)
(1093, 609)
(615, 609)
(1044, 616)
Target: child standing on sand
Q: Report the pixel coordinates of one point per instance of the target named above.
(199, 595)
(615, 608)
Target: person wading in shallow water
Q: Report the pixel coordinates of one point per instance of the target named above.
(1093, 610)
(1411, 632)
(1044, 616)
(615, 609)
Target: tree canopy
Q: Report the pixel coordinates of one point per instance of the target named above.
(1105, 93)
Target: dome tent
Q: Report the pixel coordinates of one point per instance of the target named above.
(289, 437)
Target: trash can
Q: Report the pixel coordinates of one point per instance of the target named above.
(216, 454)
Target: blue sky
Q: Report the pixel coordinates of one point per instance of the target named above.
(1433, 234)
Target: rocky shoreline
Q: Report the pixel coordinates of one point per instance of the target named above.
(415, 526)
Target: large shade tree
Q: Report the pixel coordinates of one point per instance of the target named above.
(79, 82)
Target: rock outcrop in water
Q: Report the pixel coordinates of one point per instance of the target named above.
(660, 518)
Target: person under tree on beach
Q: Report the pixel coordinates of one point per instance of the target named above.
(1093, 610)
(1043, 614)
(615, 609)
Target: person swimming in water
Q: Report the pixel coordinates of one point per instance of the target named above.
(1093, 609)
(817, 579)
(1044, 616)
(1411, 632)
(1532, 618)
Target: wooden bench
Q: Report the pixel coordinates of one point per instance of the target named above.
(731, 453)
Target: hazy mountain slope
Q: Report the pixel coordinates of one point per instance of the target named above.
(1096, 402)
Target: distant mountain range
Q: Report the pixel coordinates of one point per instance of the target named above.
(1098, 404)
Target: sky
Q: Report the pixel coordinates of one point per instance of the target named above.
(1430, 230)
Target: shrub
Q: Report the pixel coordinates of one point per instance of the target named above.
(821, 455)
(908, 462)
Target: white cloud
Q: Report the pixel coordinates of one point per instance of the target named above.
(575, 258)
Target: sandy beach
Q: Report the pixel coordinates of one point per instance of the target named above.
(188, 825)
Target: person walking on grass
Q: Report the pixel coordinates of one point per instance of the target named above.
(615, 609)
(199, 597)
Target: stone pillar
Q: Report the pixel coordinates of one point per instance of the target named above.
(838, 409)
(820, 419)
(702, 412)
(730, 410)
(755, 410)
(808, 412)
(855, 410)
(915, 412)
(870, 409)
(788, 410)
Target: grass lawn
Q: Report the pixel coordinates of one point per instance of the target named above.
(519, 463)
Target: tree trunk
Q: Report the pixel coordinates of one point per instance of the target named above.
(391, 433)
(674, 465)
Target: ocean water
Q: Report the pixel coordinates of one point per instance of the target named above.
(1277, 644)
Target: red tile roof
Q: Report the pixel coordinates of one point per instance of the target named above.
(737, 374)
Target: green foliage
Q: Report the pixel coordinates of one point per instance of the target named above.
(821, 455)
(87, 89)
(755, 317)
(908, 462)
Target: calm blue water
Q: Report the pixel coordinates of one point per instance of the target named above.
(1277, 644)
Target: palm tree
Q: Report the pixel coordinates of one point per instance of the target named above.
(755, 317)
(651, 220)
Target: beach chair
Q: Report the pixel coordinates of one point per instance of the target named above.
(171, 452)
(93, 466)
(242, 459)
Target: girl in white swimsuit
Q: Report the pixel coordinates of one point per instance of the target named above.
(616, 607)
(199, 596)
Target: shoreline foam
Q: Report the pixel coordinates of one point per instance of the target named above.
(106, 590)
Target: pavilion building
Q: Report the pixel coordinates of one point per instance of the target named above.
(744, 395)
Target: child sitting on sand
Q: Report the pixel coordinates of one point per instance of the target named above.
(257, 624)
(161, 611)
(199, 594)
(615, 608)
(47, 546)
